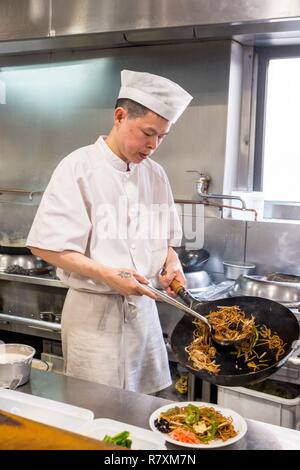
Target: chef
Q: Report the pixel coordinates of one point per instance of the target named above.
(107, 220)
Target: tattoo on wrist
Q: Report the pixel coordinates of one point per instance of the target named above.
(124, 274)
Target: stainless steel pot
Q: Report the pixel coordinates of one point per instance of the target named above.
(197, 279)
(286, 293)
(15, 364)
(234, 269)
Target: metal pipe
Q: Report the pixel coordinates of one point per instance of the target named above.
(219, 206)
(202, 189)
(45, 325)
(30, 194)
(224, 196)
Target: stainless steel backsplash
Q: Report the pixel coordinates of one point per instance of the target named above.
(271, 246)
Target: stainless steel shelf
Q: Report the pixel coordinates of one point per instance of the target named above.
(33, 280)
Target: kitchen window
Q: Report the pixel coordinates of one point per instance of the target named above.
(277, 137)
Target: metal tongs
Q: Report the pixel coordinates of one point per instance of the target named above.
(170, 300)
(184, 308)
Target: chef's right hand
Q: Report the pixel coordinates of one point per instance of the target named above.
(127, 282)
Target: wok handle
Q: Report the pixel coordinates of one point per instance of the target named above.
(185, 295)
(182, 292)
(176, 286)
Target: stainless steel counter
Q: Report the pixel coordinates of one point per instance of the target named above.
(136, 408)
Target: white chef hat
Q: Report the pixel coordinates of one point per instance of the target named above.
(156, 93)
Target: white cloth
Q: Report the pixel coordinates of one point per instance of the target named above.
(159, 94)
(126, 351)
(116, 341)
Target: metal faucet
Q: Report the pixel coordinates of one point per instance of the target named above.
(202, 185)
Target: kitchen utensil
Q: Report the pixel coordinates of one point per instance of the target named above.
(170, 300)
(192, 260)
(15, 364)
(287, 293)
(234, 269)
(197, 279)
(272, 314)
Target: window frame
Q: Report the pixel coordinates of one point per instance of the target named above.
(273, 209)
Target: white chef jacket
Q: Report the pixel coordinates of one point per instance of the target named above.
(91, 206)
(90, 193)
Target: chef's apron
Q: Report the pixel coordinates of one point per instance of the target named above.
(114, 340)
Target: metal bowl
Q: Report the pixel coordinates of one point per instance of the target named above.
(15, 364)
(286, 293)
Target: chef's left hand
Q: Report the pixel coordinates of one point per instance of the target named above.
(172, 270)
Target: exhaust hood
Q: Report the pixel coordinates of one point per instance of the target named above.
(40, 24)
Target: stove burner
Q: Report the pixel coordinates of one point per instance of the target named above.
(16, 269)
(19, 270)
(50, 317)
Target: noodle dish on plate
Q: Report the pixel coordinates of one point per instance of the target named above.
(198, 425)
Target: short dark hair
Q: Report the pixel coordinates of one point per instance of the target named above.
(133, 108)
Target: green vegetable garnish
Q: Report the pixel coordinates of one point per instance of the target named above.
(121, 439)
(192, 415)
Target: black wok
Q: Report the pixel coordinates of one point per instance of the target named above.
(192, 260)
(272, 314)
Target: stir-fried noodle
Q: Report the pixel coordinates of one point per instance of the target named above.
(195, 424)
(232, 323)
(201, 351)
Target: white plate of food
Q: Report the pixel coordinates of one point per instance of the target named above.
(198, 425)
(141, 439)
